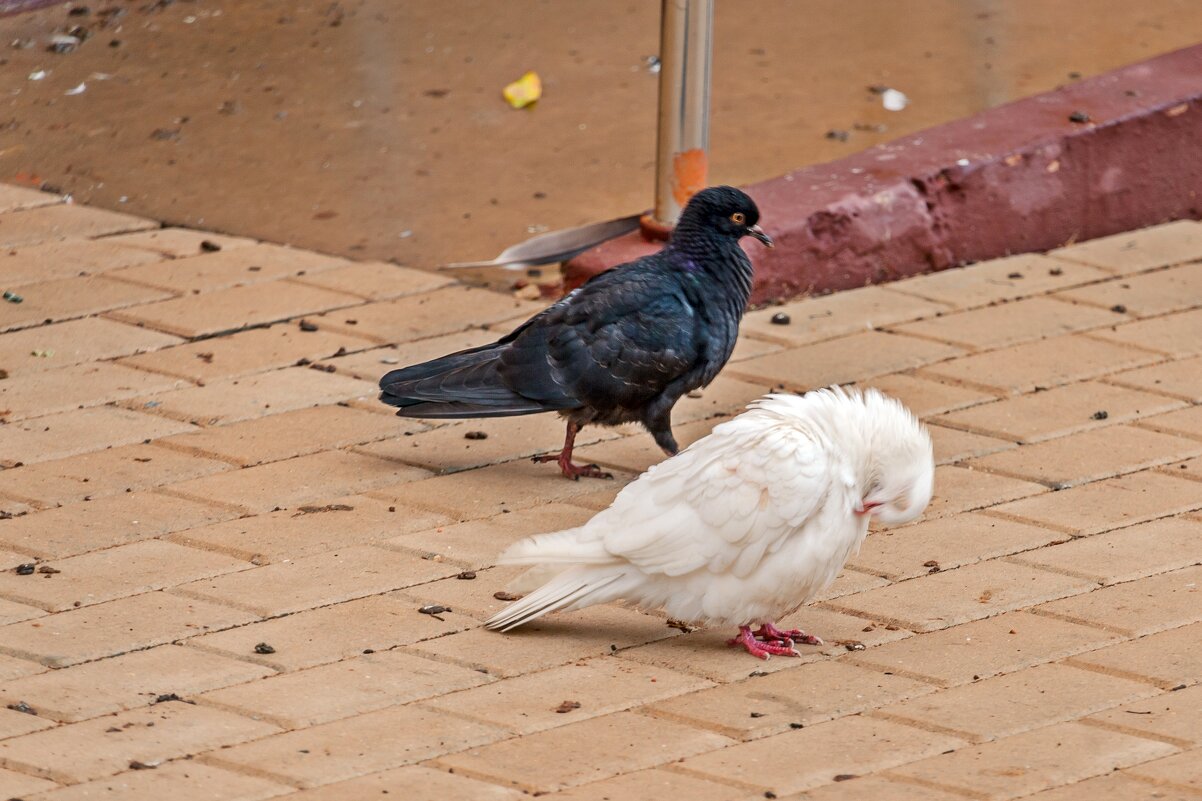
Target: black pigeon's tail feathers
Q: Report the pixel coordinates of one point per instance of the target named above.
(464, 384)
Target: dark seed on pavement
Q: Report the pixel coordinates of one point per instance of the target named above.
(264, 648)
(476, 435)
(466, 575)
(25, 569)
(780, 318)
(209, 246)
(305, 325)
(1101, 414)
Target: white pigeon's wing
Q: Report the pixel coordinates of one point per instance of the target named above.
(722, 503)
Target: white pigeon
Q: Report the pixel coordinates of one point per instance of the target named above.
(745, 525)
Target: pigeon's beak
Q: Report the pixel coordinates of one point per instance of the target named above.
(759, 234)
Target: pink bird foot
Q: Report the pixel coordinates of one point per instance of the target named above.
(758, 649)
(564, 458)
(768, 632)
(573, 471)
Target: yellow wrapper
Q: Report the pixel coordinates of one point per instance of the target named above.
(524, 90)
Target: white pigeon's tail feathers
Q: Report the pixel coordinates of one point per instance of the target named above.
(572, 589)
(571, 546)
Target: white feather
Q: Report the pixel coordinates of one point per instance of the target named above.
(746, 524)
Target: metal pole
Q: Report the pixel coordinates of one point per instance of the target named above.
(686, 50)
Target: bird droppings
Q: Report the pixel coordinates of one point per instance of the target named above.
(476, 435)
(467, 575)
(264, 648)
(505, 596)
(567, 706)
(22, 707)
(434, 610)
(13, 297)
(755, 674)
(680, 624)
(1100, 414)
(852, 645)
(306, 325)
(138, 765)
(780, 318)
(25, 569)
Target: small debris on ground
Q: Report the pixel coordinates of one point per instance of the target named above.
(524, 91)
(894, 100)
(1100, 414)
(26, 569)
(306, 325)
(1118, 308)
(475, 435)
(329, 507)
(434, 610)
(842, 777)
(673, 623)
(505, 596)
(1055, 271)
(466, 575)
(1078, 116)
(13, 297)
(48, 570)
(209, 246)
(852, 645)
(264, 648)
(567, 706)
(838, 135)
(780, 318)
(21, 706)
(138, 765)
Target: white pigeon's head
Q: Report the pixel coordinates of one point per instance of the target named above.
(898, 465)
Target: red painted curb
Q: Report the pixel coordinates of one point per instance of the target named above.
(1112, 153)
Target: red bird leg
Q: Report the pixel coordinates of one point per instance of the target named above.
(768, 632)
(572, 471)
(760, 650)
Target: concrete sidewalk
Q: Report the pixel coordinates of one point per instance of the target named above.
(231, 541)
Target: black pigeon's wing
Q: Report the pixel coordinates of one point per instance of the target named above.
(616, 342)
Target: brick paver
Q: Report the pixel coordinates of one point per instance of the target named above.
(231, 550)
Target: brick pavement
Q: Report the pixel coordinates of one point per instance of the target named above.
(231, 547)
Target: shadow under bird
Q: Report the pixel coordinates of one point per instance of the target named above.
(622, 348)
(745, 525)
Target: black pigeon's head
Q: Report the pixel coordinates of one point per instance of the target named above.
(723, 210)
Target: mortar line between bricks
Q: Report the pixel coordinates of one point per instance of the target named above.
(1114, 380)
(927, 784)
(993, 511)
(484, 776)
(1077, 661)
(145, 284)
(187, 450)
(213, 758)
(1191, 790)
(156, 370)
(33, 770)
(969, 348)
(1080, 621)
(996, 393)
(1164, 355)
(863, 661)
(718, 778)
(925, 725)
(1164, 470)
(1177, 742)
(1147, 424)
(169, 491)
(1017, 559)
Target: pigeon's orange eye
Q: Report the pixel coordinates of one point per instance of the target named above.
(738, 217)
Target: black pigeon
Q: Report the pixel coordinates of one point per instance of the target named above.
(624, 347)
